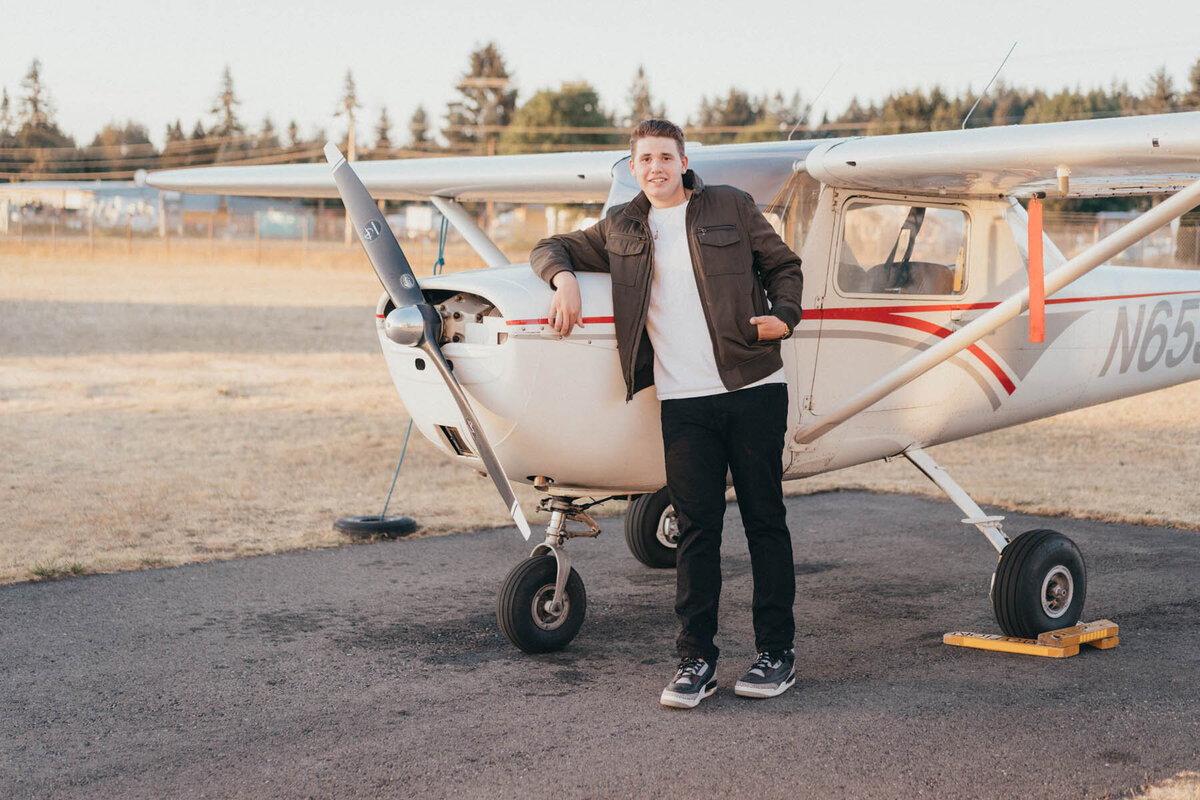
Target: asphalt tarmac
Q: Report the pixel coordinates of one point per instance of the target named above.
(377, 670)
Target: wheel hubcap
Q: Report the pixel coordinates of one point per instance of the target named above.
(668, 529)
(1058, 589)
(543, 617)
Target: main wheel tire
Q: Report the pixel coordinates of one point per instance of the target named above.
(650, 529)
(1040, 584)
(522, 607)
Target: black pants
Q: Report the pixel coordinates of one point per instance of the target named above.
(703, 437)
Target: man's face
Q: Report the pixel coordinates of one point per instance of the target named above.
(658, 167)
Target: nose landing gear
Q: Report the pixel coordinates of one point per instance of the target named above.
(542, 601)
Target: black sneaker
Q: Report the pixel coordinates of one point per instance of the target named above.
(694, 680)
(772, 674)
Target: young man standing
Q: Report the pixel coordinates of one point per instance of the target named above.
(693, 268)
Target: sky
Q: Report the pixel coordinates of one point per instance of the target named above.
(155, 62)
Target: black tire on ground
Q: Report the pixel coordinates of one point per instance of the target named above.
(521, 606)
(650, 530)
(375, 527)
(1040, 584)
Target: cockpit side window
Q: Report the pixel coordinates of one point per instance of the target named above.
(902, 249)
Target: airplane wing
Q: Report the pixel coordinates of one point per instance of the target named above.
(542, 178)
(1104, 157)
(581, 177)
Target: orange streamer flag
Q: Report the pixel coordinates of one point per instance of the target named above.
(1037, 284)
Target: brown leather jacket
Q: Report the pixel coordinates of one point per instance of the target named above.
(739, 261)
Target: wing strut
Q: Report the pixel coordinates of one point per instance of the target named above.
(452, 210)
(1136, 230)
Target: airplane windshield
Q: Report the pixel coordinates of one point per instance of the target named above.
(791, 211)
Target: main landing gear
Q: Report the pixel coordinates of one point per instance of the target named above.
(651, 531)
(1040, 583)
(542, 602)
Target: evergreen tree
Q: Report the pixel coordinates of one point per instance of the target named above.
(225, 108)
(485, 105)
(641, 105)
(293, 132)
(383, 132)
(5, 116)
(736, 109)
(418, 130)
(175, 149)
(268, 139)
(35, 104)
(1191, 100)
(1160, 97)
(37, 128)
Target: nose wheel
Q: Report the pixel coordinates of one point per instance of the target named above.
(525, 608)
(542, 602)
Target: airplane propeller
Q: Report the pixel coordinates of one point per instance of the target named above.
(414, 322)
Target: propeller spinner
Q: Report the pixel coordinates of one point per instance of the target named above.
(414, 323)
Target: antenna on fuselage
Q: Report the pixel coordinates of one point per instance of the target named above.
(989, 85)
(804, 116)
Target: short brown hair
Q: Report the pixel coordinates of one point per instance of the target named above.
(656, 127)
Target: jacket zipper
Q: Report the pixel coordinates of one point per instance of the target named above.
(641, 326)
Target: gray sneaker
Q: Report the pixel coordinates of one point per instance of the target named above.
(772, 674)
(694, 680)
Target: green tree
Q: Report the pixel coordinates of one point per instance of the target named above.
(641, 103)
(268, 139)
(418, 130)
(914, 111)
(293, 132)
(225, 108)
(5, 117)
(117, 134)
(778, 115)
(175, 151)
(485, 104)
(1191, 99)
(383, 132)
(346, 108)
(544, 123)
(1160, 97)
(736, 109)
(38, 130)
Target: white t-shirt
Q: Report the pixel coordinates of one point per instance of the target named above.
(684, 364)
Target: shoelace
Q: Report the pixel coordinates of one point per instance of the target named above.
(690, 668)
(765, 663)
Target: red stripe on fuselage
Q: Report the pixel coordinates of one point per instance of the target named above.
(544, 321)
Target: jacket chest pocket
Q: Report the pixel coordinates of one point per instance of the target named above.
(626, 255)
(721, 251)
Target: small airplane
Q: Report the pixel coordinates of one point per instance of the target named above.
(935, 308)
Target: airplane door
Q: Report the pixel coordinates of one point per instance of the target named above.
(895, 283)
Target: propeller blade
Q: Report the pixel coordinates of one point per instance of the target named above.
(401, 285)
(377, 238)
(490, 463)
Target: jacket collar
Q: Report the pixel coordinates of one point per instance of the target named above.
(639, 207)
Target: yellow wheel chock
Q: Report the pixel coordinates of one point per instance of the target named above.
(1061, 643)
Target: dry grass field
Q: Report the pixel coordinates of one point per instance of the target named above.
(159, 412)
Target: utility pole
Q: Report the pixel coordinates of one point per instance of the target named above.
(349, 103)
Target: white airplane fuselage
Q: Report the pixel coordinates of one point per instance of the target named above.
(556, 408)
